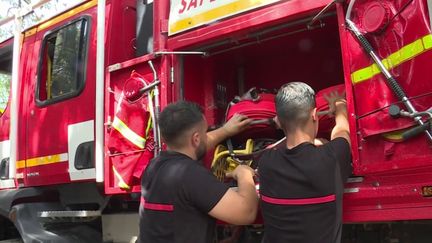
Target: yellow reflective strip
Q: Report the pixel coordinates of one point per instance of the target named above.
(149, 126)
(375, 69)
(30, 32)
(61, 17)
(411, 50)
(395, 136)
(122, 184)
(49, 79)
(130, 135)
(395, 59)
(150, 121)
(362, 74)
(20, 164)
(427, 42)
(45, 160)
(386, 63)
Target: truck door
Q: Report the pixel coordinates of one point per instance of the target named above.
(129, 132)
(400, 34)
(5, 80)
(61, 104)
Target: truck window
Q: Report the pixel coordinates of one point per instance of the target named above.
(4, 91)
(61, 70)
(5, 76)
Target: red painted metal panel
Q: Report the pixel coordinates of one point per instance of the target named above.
(47, 127)
(121, 28)
(160, 15)
(120, 71)
(372, 96)
(165, 78)
(387, 197)
(385, 215)
(116, 76)
(28, 53)
(395, 193)
(57, 174)
(345, 46)
(240, 25)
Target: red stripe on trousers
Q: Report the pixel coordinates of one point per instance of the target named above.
(157, 206)
(302, 201)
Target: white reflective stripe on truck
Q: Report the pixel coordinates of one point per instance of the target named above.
(100, 85)
(5, 153)
(78, 134)
(13, 132)
(4, 149)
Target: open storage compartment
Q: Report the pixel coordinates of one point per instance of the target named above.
(265, 59)
(319, 55)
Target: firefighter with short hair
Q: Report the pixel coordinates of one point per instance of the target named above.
(301, 184)
(180, 197)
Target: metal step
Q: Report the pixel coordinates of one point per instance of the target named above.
(11, 241)
(68, 215)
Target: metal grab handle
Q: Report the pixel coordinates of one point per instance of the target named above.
(155, 77)
(149, 87)
(156, 130)
(391, 81)
(415, 131)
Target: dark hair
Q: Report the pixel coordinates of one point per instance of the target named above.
(294, 101)
(178, 118)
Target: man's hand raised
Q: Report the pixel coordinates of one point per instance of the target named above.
(338, 107)
(240, 172)
(236, 124)
(335, 99)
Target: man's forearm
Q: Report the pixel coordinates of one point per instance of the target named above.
(341, 116)
(215, 137)
(236, 124)
(247, 190)
(341, 128)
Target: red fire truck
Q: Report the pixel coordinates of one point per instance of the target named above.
(86, 87)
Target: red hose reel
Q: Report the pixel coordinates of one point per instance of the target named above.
(260, 106)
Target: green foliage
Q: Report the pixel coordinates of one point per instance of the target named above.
(4, 91)
(64, 70)
(65, 60)
(44, 12)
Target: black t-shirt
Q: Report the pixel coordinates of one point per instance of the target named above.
(177, 194)
(301, 192)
